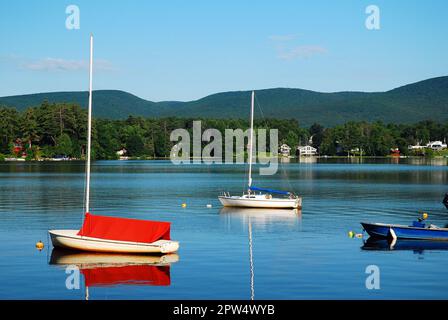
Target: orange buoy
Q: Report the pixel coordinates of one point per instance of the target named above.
(39, 245)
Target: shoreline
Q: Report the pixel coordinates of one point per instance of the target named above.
(280, 158)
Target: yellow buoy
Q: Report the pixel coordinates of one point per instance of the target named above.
(425, 216)
(351, 234)
(39, 245)
(184, 205)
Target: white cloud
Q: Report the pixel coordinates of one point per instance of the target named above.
(301, 52)
(60, 64)
(52, 64)
(283, 37)
(287, 48)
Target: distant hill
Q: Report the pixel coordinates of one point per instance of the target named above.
(423, 100)
(113, 104)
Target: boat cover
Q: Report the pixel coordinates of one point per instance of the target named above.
(131, 275)
(124, 229)
(269, 190)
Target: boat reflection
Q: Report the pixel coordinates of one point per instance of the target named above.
(418, 246)
(261, 216)
(104, 269)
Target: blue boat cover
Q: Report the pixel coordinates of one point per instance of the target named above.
(269, 190)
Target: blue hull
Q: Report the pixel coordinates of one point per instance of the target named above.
(380, 230)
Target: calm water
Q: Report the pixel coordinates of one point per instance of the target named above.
(304, 255)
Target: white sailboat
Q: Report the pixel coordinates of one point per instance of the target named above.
(264, 198)
(112, 234)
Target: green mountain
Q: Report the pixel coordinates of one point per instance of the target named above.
(423, 100)
(113, 104)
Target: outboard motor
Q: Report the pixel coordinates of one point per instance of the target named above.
(445, 200)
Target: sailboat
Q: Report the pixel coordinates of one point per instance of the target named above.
(264, 198)
(112, 234)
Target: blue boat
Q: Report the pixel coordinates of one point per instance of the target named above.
(418, 231)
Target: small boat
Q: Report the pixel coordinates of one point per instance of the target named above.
(118, 235)
(417, 231)
(445, 200)
(112, 234)
(264, 198)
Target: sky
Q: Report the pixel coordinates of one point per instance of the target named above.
(185, 50)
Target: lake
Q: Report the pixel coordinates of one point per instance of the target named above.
(296, 255)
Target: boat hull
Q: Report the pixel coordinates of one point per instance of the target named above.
(234, 201)
(380, 230)
(70, 240)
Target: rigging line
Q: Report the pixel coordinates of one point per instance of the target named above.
(246, 176)
(83, 199)
(266, 125)
(259, 108)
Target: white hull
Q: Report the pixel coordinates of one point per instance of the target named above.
(70, 240)
(260, 202)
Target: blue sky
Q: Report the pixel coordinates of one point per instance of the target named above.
(184, 50)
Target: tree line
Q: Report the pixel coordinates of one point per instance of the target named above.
(59, 129)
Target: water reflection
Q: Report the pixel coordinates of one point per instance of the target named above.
(261, 216)
(307, 159)
(418, 246)
(427, 161)
(101, 269)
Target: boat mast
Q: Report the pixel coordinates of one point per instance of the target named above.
(251, 138)
(89, 128)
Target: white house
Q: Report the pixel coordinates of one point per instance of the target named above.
(121, 152)
(434, 145)
(285, 150)
(306, 151)
(416, 147)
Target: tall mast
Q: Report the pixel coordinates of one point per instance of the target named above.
(89, 127)
(251, 137)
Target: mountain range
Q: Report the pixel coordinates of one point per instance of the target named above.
(424, 100)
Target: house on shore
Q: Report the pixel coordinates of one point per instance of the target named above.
(122, 154)
(434, 145)
(395, 152)
(306, 151)
(285, 150)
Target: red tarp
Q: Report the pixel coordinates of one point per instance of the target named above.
(124, 229)
(130, 275)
